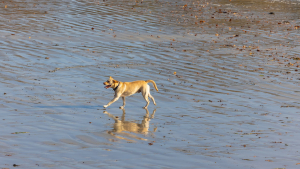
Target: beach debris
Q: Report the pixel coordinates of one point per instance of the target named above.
(296, 58)
(15, 165)
(19, 132)
(247, 159)
(286, 22)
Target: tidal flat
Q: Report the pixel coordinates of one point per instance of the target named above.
(226, 70)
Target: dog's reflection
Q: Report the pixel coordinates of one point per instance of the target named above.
(122, 127)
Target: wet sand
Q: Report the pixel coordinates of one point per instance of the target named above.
(227, 74)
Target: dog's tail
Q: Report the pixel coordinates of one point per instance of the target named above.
(147, 81)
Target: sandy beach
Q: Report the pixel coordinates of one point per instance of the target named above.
(226, 70)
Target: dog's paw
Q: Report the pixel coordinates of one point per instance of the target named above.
(105, 112)
(121, 107)
(145, 107)
(105, 106)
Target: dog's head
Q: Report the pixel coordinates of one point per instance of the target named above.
(111, 83)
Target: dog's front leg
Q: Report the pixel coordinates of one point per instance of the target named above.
(113, 100)
(122, 107)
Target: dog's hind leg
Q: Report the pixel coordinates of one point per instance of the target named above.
(146, 93)
(152, 98)
(147, 100)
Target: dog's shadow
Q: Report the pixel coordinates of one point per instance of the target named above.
(122, 128)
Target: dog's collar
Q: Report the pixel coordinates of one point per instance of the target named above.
(116, 87)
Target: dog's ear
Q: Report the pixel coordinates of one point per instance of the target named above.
(115, 81)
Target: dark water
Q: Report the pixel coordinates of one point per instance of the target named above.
(227, 74)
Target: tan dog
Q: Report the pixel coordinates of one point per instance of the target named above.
(123, 89)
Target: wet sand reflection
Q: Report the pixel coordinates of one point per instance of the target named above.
(121, 127)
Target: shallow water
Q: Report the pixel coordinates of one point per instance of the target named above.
(227, 74)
